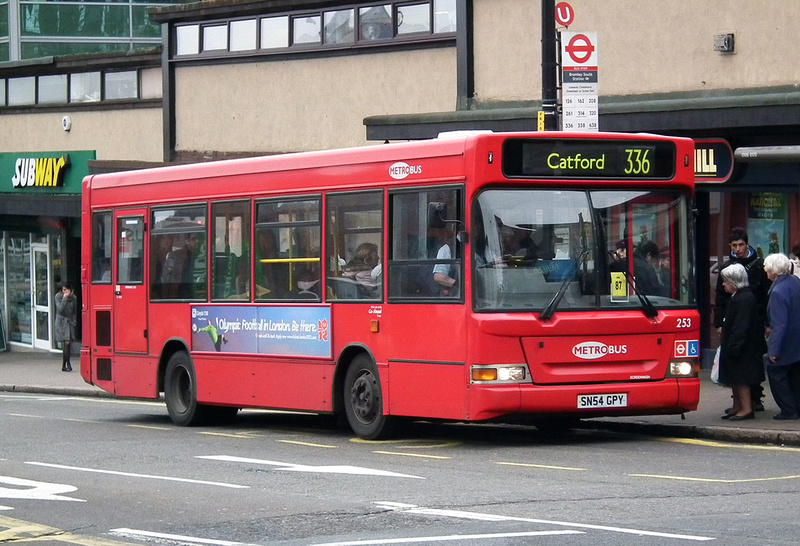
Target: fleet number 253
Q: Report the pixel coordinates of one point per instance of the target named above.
(684, 323)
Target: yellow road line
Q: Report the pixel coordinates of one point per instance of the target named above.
(307, 444)
(414, 444)
(151, 427)
(551, 467)
(23, 531)
(709, 443)
(239, 435)
(410, 455)
(713, 480)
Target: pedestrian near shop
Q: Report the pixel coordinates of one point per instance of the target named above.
(741, 356)
(783, 365)
(744, 254)
(66, 321)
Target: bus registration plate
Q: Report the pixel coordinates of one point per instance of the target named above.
(591, 401)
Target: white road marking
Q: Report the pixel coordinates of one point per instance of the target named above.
(413, 509)
(31, 490)
(446, 538)
(337, 469)
(145, 476)
(135, 533)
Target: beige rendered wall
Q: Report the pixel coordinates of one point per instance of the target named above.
(645, 46)
(132, 134)
(308, 104)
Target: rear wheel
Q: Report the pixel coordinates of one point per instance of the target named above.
(363, 399)
(180, 391)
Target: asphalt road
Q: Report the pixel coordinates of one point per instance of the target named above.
(98, 472)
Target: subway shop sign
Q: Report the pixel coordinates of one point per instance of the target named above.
(44, 172)
(596, 159)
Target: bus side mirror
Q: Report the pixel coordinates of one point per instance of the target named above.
(437, 212)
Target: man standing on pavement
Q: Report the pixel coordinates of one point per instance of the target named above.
(743, 253)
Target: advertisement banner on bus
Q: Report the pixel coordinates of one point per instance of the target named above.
(284, 331)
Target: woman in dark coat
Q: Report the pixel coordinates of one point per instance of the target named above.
(742, 344)
(66, 321)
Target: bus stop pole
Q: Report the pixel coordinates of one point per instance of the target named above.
(549, 66)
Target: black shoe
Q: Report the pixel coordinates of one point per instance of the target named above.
(750, 415)
(69, 367)
(758, 405)
(786, 417)
(726, 416)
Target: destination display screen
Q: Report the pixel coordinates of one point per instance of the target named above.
(596, 159)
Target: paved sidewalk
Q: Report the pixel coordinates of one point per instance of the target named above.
(40, 372)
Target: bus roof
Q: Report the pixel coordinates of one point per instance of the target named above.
(449, 144)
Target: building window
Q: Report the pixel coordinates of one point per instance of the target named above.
(400, 20)
(375, 23)
(84, 87)
(444, 15)
(306, 30)
(188, 40)
(414, 18)
(2, 92)
(274, 32)
(53, 89)
(215, 38)
(243, 35)
(340, 27)
(21, 91)
(121, 85)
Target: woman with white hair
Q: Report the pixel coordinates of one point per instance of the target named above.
(740, 357)
(783, 367)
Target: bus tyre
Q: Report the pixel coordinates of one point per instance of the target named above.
(180, 391)
(363, 399)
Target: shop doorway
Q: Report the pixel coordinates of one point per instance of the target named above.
(41, 295)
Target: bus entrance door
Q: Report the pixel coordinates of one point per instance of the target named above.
(130, 293)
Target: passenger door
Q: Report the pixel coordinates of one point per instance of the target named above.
(130, 291)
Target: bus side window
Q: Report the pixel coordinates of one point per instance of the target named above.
(425, 259)
(101, 247)
(354, 231)
(178, 253)
(287, 250)
(230, 251)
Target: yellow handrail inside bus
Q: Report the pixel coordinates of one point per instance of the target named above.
(287, 260)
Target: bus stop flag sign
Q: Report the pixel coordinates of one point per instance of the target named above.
(579, 70)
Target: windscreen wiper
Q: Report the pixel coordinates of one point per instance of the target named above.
(547, 314)
(648, 308)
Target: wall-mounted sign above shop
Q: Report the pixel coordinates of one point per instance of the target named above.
(713, 161)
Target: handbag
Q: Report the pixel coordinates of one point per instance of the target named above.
(715, 368)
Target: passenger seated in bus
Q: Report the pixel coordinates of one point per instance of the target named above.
(365, 269)
(272, 279)
(159, 248)
(444, 275)
(308, 282)
(176, 276)
(105, 270)
(644, 273)
(528, 251)
(619, 257)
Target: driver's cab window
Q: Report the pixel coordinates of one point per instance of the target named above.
(426, 254)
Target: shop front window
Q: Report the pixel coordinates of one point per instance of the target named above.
(19, 288)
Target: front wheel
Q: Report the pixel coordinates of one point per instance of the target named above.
(363, 399)
(180, 391)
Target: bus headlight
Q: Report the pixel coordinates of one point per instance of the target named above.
(499, 373)
(684, 368)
